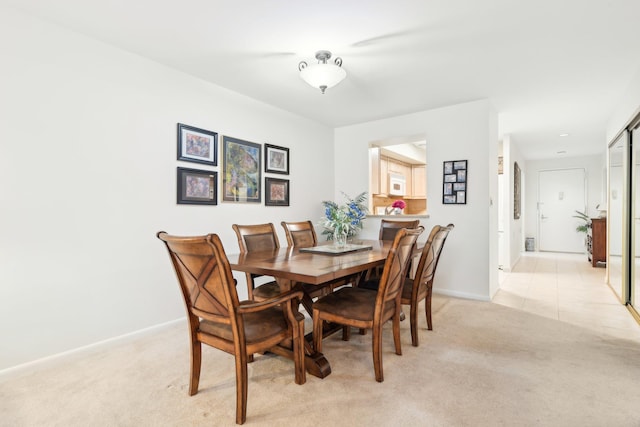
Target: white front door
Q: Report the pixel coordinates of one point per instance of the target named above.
(560, 194)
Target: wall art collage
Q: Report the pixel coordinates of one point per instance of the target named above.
(241, 170)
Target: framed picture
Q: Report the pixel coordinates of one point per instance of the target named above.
(197, 145)
(276, 159)
(454, 182)
(276, 192)
(516, 191)
(197, 187)
(242, 176)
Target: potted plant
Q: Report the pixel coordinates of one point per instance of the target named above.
(584, 227)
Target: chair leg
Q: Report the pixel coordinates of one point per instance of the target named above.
(413, 314)
(298, 353)
(377, 352)
(396, 333)
(427, 307)
(317, 331)
(196, 362)
(241, 387)
(346, 333)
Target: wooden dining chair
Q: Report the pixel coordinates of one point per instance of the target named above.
(421, 286)
(217, 318)
(362, 308)
(388, 230)
(302, 234)
(258, 237)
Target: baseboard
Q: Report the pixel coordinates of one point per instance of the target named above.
(104, 344)
(463, 295)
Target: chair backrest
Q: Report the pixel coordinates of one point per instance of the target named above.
(395, 266)
(204, 275)
(300, 234)
(389, 228)
(429, 258)
(258, 237)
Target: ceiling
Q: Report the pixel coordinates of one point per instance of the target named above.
(548, 66)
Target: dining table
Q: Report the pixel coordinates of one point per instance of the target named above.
(316, 265)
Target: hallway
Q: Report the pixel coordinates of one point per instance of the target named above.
(567, 288)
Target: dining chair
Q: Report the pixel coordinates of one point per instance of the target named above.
(362, 308)
(258, 237)
(388, 230)
(302, 234)
(389, 227)
(217, 318)
(421, 286)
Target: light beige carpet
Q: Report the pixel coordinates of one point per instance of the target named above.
(482, 365)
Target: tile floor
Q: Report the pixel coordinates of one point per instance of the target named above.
(566, 287)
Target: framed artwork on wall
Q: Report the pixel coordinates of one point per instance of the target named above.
(454, 182)
(197, 145)
(276, 159)
(242, 174)
(276, 192)
(197, 187)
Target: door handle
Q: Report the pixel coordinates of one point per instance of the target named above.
(543, 217)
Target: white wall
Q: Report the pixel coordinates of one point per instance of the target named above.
(466, 131)
(88, 176)
(513, 228)
(596, 183)
(627, 107)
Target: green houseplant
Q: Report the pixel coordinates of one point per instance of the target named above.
(583, 228)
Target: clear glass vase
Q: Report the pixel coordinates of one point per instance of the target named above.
(339, 238)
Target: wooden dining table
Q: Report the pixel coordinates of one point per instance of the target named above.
(290, 266)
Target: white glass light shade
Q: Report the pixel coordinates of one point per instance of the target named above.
(323, 76)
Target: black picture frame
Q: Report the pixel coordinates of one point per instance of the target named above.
(197, 187)
(454, 182)
(276, 192)
(197, 145)
(242, 171)
(276, 159)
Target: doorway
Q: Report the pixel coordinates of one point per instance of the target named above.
(560, 194)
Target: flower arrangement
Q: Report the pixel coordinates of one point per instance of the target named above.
(342, 221)
(396, 207)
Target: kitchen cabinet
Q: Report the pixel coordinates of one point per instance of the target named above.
(384, 175)
(419, 181)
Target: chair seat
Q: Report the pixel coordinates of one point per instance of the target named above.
(266, 291)
(407, 288)
(371, 284)
(257, 326)
(353, 303)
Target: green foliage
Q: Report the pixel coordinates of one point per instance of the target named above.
(346, 218)
(583, 228)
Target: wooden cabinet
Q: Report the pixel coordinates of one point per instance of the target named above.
(597, 241)
(384, 175)
(419, 181)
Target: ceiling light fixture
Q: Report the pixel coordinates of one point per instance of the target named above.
(564, 134)
(322, 75)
